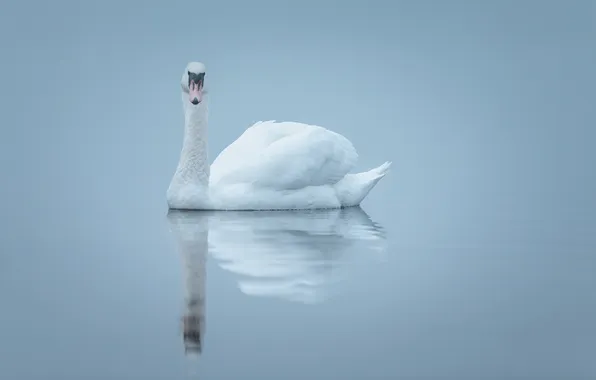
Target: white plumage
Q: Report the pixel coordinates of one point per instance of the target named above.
(272, 165)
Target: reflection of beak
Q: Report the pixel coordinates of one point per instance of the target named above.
(195, 95)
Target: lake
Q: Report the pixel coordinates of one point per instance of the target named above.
(474, 258)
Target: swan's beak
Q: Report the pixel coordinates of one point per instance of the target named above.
(195, 93)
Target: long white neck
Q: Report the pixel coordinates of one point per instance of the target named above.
(189, 186)
(193, 166)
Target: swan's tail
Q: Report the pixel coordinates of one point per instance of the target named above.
(352, 189)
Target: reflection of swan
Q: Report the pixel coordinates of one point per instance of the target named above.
(270, 166)
(191, 233)
(293, 255)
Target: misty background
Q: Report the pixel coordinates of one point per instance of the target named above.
(486, 110)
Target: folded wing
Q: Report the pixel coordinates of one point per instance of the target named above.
(284, 156)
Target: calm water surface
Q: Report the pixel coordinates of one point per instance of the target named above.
(473, 259)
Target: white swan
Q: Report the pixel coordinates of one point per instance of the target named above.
(271, 166)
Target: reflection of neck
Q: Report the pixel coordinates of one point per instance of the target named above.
(193, 245)
(193, 256)
(191, 233)
(193, 166)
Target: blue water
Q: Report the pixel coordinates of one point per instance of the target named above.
(473, 259)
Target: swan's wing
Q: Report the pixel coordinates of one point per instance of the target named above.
(250, 144)
(285, 156)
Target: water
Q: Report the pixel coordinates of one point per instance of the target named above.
(473, 259)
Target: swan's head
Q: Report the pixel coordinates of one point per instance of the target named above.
(193, 81)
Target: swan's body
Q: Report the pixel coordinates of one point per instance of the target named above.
(271, 166)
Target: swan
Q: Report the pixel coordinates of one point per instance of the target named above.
(271, 166)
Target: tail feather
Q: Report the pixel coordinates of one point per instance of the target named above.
(382, 169)
(353, 188)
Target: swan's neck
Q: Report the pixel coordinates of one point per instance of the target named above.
(193, 166)
(189, 186)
